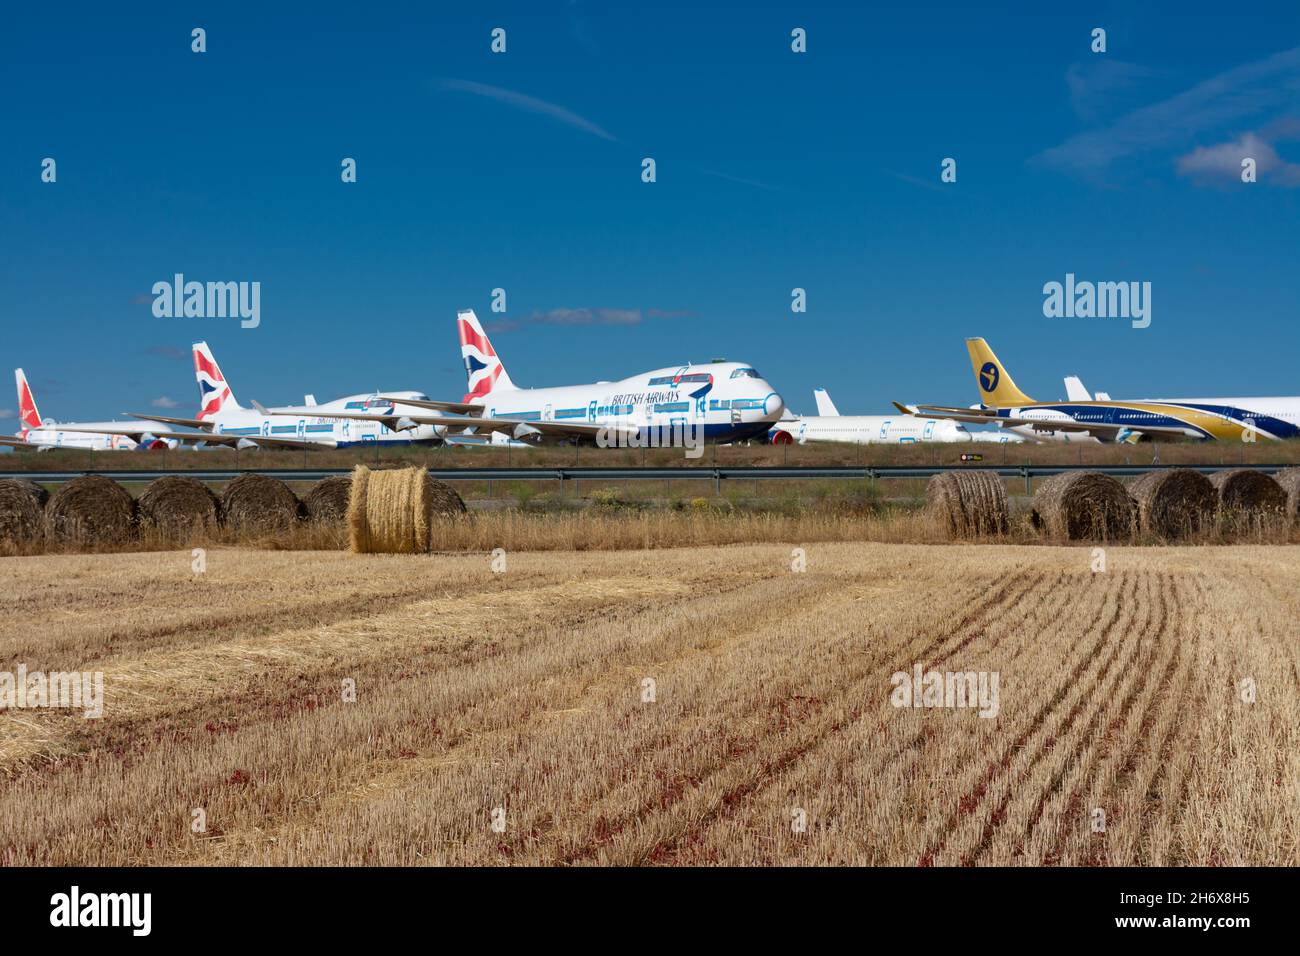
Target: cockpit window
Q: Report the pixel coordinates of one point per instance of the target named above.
(745, 373)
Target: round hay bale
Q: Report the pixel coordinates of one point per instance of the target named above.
(392, 511)
(1249, 500)
(22, 510)
(90, 510)
(1289, 481)
(1174, 503)
(328, 499)
(259, 504)
(178, 506)
(1084, 506)
(968, 503)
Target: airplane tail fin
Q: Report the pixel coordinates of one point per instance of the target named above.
(1075, 391)
(483, 368)
(995, 385)
(27, 412)
(825, 407)
(214, 393)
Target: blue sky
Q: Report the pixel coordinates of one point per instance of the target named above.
(522, 171)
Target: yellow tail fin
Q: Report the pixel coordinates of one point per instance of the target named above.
(995, 385)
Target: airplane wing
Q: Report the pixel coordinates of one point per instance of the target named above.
(457, 408)
(183, 422)
(15, 442)
(261, 441)
(395, 423)
(989, 416)
(516, 427)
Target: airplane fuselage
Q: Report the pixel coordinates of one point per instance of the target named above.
(726, 401)
(1196, 418)
(314, 423)
(91, 436)
(869, 429)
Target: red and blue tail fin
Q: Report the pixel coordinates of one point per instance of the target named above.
(483, 367)
(214, 392)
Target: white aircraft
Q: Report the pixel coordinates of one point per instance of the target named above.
(997, 436)
(828, 425)
(721, 401)
(354, 420)
(1075, 391)
(45, 433)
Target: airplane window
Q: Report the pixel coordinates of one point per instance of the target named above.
(745, 373)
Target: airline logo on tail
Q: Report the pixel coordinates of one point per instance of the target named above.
(214, 393)
(989, 377)
(997, 390)
(483, 369)
(27, 412)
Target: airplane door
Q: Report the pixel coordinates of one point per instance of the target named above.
(929, 431)
(884, 429)
(302, 428)
(266, 428)
(548, 413)
(591, 411)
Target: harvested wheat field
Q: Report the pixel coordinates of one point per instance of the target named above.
(688, 706)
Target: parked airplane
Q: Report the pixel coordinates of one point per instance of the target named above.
(721, 401)
(1167, 419)
(46, 433)
(343, 422)
(828, 425)
(1075, 391)
(997, 436)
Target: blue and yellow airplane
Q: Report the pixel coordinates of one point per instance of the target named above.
(1153, 419)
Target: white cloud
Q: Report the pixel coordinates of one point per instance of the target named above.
(1222, 163)
(1100, 85)
(584, 316)
(528, 103)
(1246, 91)
(163, 401)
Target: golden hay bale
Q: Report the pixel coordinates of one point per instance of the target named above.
(328, 499)
(1249, 500)
(1289, 481)
(968, 503)
(1174, 503)
(90, 510)
(178, 505)
(22, 510)
(1084, 505)
(259, 504)
(392, 511)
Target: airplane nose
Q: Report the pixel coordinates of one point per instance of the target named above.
(773, 407)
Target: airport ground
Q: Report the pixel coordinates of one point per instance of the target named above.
(682, 706)
(1227, 454)
(802, 499)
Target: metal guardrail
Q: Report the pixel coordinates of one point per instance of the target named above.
(687, 473)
